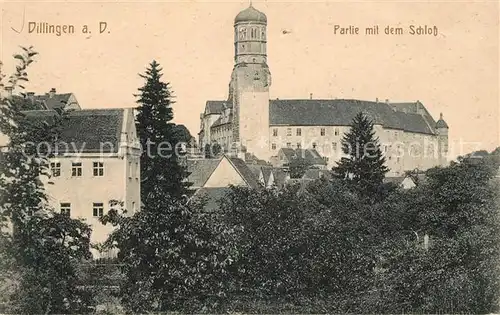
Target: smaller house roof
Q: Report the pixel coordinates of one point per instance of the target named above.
(214, 107)
(310, 155)
(245, 172)
(56, 101)
(200, 170)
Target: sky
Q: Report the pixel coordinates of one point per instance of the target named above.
(455, 73)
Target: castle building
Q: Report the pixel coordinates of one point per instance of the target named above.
(248, 122)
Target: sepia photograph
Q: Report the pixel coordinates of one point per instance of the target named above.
(249, 157)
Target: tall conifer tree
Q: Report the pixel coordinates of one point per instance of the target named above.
(363, 163)
(161, 166)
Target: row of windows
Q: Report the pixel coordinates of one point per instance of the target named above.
(253, 33)
(97, 208)
(298, 132)
(299, 145)
(77, 169)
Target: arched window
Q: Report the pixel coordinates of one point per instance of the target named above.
(254, 33)
(243, 33)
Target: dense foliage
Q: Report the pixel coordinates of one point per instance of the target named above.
(41, 249)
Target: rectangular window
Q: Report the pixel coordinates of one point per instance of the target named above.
(273, 146)
(334, 146)
(97, 209)
(299, 145)
(275, 132)
(129, 169)
(325, 159)
(98, 168)
(56, 169)
(336, 131)
(136, 170)
(65, 208)
(288, 131)
(322, 131)
(299, 132)
(288, 145)
(76, 169)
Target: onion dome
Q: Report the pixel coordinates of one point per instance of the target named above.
(250, 14)
(441, 123)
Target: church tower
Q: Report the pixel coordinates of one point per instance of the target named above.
(250, 82)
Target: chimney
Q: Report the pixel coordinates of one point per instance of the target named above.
(376, 100)
(310, 96)
(387, 100)
(31, 96)
(52, 92)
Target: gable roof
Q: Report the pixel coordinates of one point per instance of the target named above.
(307, 112)
(214, 107)
(85, 131)
(266, 173)
(310, 155)
(56, 101)
(200, 170)
(245, 172)
(280, 177)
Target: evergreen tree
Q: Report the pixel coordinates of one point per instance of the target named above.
(364, 162)
(161, 166)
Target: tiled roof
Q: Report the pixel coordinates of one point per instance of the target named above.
(280, 177)
(256, 169)
(214, 107)
(310, 155)
(200, 170)
(222, 120)
(27, 103)
(266, 173)
(56, 101)
(86, 130)
(245, 172)
(342, 111)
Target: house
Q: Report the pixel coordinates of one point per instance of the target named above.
(405, 182)
(310, 156)
(96, 161)
(211, 178)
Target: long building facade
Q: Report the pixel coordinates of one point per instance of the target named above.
(249, 121)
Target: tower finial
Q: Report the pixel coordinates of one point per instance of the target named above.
(440, 115)
(250, 3)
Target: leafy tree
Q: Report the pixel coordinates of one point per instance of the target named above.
(363, 164)
(298, 167)
(174, 258)
(159, 138)
(458, 272)
(41, 248)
